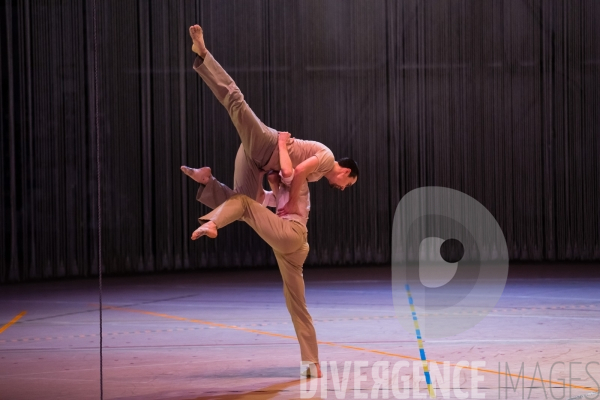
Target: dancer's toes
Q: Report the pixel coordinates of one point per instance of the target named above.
(198, 45)
(208, 229)
(200, 175)
(188, 171)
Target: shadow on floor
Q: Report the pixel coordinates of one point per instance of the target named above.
(265, 393)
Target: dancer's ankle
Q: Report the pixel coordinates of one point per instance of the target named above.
(210, 229)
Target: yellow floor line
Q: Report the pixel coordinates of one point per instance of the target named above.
(12, 321)
(362, 349)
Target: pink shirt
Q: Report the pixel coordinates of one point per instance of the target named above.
(283, 197)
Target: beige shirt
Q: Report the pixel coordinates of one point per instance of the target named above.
(301, 150)
(283, 197)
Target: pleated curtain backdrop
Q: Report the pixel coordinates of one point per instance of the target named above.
(498, 99)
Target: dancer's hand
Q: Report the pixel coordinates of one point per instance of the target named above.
(284, 136)
(289, 208)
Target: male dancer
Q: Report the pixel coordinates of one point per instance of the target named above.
(258, 152)
(287, 235)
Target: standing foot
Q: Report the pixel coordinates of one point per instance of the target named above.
(200, 175)
(208, 229)
(313, 371)
(198, 45)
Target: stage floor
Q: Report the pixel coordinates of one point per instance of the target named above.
(226, 335)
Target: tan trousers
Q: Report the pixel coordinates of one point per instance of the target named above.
(259, 142)
(288, 240)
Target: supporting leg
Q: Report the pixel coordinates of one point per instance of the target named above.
(290, 266)
(288, 240)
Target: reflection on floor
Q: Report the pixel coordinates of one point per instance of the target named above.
(227, 335)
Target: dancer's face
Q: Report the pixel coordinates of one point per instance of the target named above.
(342, 181)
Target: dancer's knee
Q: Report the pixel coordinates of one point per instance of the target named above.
(245, 200)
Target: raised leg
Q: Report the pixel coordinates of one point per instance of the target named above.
(259, 140)
(200, 175)
(247, 179)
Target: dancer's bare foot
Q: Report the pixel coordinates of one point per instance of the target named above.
(208, 229)
(313, 371)
(200, 175)
(198, 45)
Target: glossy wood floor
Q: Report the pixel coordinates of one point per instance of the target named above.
(227, 335)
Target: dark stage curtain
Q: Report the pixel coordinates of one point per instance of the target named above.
(498, 99)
